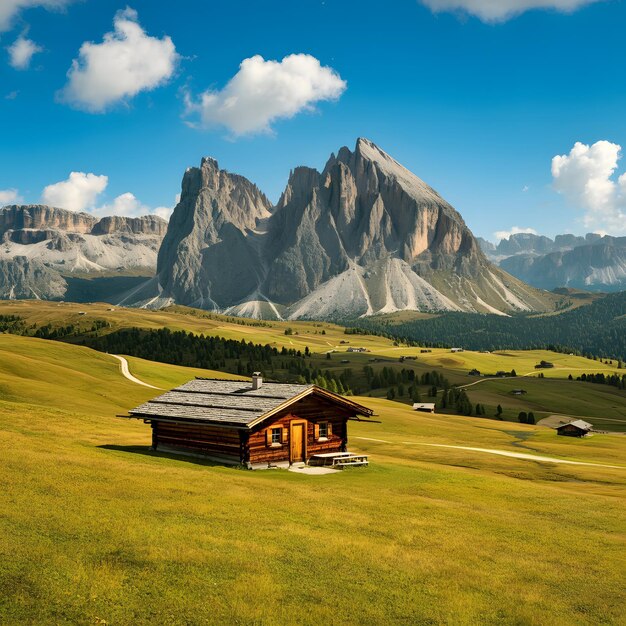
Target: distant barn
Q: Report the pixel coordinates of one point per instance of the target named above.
(577, 428)
(256, 424)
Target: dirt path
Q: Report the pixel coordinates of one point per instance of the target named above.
(126, 373)
(484, 380)
(514, 455)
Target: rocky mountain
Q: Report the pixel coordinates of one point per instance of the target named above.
(24, 279)
(529, 243)
(212, 257)
(364, 236)
(73, 242)
(592, 262)
(487, 247)
(525, 243)
(39, 242)
(599, 266)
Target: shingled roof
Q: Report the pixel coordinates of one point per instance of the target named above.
(235, 404)
(578, 424)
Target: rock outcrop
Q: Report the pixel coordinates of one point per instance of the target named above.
(363, 236)
(210, 255)
(24, 279)
(73, 242)
(593, 262)
(600, 266)
(117, 225)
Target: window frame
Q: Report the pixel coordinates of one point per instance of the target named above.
(276, 436)
(324, 425)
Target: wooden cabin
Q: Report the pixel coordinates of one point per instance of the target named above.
(577, 428)
(257, 424)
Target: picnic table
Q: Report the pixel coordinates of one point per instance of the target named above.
(338, 459)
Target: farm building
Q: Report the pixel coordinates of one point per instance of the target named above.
(255, 424)
(356, 350)
(424, 407)
(456, 350)
(577, 428)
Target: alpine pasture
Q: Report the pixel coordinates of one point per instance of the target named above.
(98, 529)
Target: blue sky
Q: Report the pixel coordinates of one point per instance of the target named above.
(476, 108)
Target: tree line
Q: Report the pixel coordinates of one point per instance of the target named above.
(596, 329)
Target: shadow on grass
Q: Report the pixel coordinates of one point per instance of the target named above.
(147, 451)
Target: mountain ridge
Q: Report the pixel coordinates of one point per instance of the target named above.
(593, 262)
(363, 236)
(42, 248)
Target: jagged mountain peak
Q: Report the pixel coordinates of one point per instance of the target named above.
(365, 235)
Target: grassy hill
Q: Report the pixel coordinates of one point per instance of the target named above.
(97, 529)
(603, 405)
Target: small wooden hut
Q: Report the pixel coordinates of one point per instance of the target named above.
(256, 424)
(577, 428)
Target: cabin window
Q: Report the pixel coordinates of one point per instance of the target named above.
(324, 431)
(277, 434)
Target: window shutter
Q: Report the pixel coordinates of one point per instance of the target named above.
(285, 434)
(317, 431)
(330, 430)
(268, 437)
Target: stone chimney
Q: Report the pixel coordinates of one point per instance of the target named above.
(257, 380)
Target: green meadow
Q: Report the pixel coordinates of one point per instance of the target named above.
(95, 528)
(602, 405)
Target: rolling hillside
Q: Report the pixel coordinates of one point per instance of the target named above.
(603, 405)
(112, 533)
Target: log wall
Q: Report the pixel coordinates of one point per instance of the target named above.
(198, 439)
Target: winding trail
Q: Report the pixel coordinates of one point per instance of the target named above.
(126, 373)
(514, 455)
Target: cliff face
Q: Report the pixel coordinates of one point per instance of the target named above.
(209, 256)
(363, 208)
(599, 266)
(78, 242)
(592, 262)
(116, 225)
(23, 279)
(41, 217)
(363, 236)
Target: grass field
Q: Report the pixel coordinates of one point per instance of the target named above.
(94, 528)
(602, 405)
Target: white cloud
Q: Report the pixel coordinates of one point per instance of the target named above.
(128, 205)
(124, 204)
(264, 91)
(164, 212)
(10, 8)
(126, 62)
(21, 52)
(501, 10)
(9, 196)
(516, 230)
(586, 178)
(78, 193)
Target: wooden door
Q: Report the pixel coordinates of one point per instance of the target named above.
(298, 430)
